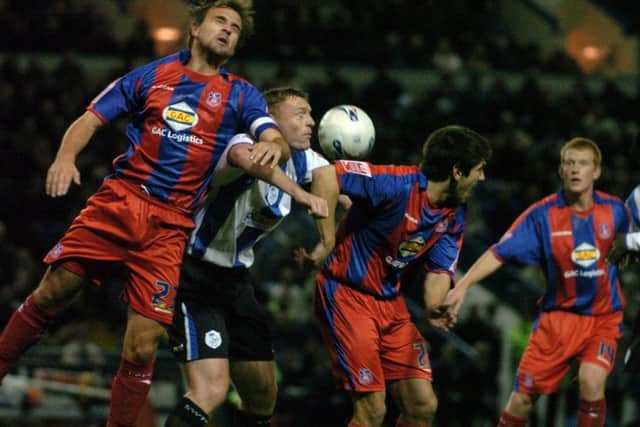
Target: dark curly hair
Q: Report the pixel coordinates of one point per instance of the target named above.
(451, 146)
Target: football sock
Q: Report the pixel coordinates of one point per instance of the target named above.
(128, 392)
(25, 327)
(592, 413)
(508, 420)
(187, 414)
(247, 419)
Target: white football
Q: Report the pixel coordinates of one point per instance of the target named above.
(346, 132)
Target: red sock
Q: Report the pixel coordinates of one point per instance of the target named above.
(128, 393)
(25, 327)
(592, 413)
(508, 420)
(403, 423)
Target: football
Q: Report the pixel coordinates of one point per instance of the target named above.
(346, 132)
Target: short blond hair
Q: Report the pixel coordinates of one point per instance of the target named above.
(580, 143)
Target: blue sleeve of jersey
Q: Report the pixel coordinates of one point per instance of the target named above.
(254, 114)
(358, 182)
(443, 255)
(633, 202)
(120, 97)
(521, 243)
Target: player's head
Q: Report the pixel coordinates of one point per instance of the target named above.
(458, 154)
(580, 160)
(219, 26)
(290, 108)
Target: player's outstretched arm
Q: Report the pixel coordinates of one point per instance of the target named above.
(625, 249)
(271, 149)
(435, 290)
(324, 185)
(63, 170)
(481, 268)
(240, 156)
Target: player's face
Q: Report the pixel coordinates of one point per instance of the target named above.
(578, 170)
(293, 116)
(219, 32)
(466, 184)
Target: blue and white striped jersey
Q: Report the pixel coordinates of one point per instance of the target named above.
(240, 210)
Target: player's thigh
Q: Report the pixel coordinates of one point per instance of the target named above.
(57, 287)
(207, 376)
(350, 323)
(369, 408)
(251, 377)
(601, 340)
(404, 352)
(413, 396)
(198, 330)
(154, 268)
(255, 382)
(554, 343)
(249, 325)
(592, 380)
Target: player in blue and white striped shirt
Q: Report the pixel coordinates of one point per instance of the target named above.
(219, 327)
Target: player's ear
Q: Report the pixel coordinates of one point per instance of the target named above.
(456, 173)
(597, 172)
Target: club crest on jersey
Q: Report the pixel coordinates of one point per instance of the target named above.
(214, 99)
(604, 231)
(273, 195)
(441, 227)
(411, 247)
(585, 255)
(528, 381)
(213, 339)
(364, 376)
(56, 251)
(180, 116)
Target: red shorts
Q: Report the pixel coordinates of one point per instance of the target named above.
(370, 341)
(559, 337)
(122, 224)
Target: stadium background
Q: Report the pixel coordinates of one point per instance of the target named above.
(528, 74)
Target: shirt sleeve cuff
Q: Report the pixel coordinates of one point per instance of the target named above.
(632, 241)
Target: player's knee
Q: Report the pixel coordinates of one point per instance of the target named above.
(591, 386)
(142, 348)
(261, 398)
(520, 404)
(370, 411)
(423, 408)
(209, 395)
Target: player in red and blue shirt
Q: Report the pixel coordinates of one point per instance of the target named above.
(400, 216)
(569, 235)
(183, 111)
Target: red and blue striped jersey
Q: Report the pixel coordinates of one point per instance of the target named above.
(571, 247)
(390, 225)
(180, 123)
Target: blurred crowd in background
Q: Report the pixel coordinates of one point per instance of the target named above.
(525, 104)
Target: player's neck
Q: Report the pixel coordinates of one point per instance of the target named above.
(579, 202)
(438, 193)
(202, 63)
